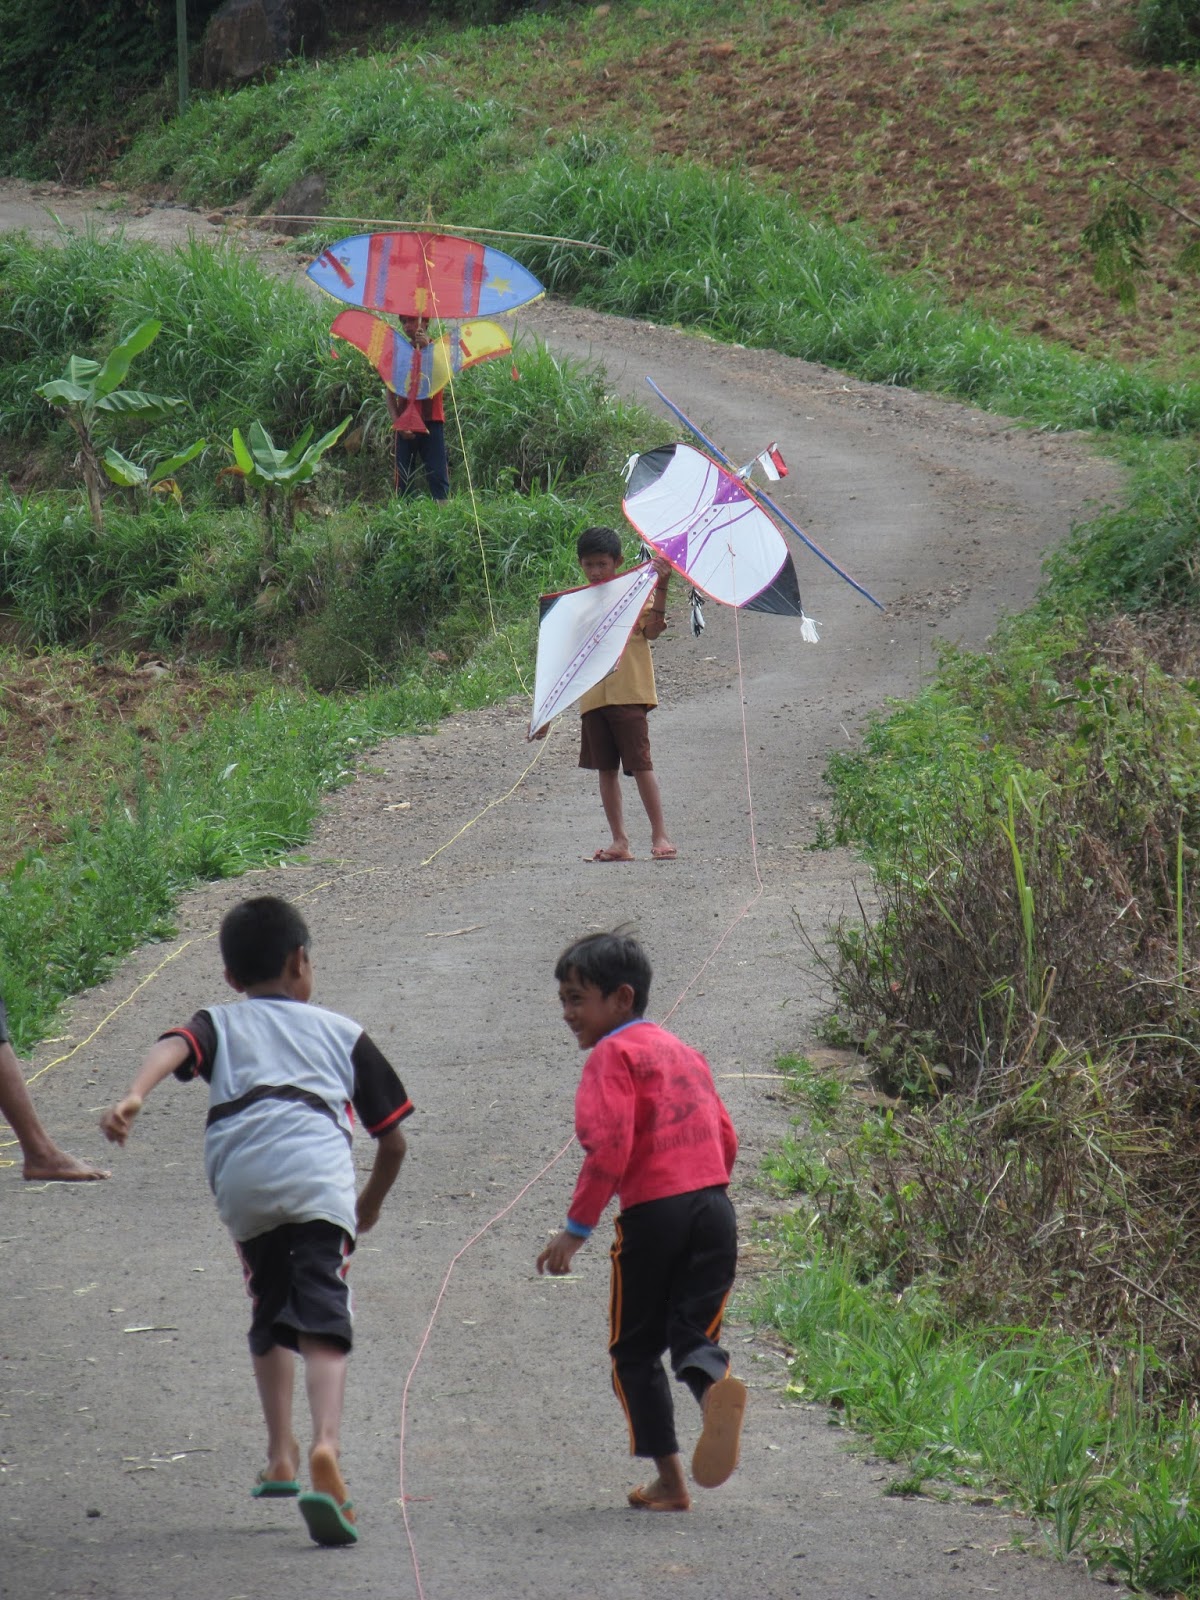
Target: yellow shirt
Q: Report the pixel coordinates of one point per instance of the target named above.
(631, 683)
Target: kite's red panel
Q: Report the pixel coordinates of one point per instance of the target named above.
(423, 275)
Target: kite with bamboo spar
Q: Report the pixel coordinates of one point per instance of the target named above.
(703, 516)
(424, 277)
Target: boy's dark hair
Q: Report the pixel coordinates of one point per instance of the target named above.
(598, 542)
(258, 936)
(608, 960)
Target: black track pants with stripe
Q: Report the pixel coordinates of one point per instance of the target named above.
(673, 1265)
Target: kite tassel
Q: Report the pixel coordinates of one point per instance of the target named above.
(808, 630)
(410, 420)
(697, 600)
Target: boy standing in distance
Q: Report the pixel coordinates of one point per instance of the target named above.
(44, 1162)
(614, 731)
(429, 448)
(655, 1133)
(282, 1077)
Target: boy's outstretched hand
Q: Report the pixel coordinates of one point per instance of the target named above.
(556, 1258)
(117, 1122)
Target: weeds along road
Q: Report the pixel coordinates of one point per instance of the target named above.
(130, 1430)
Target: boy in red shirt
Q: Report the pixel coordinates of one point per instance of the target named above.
(655, 1133)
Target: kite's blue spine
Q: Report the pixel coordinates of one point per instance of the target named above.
(688, 423)
(764, 499)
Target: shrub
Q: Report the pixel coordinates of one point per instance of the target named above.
(1168, 31)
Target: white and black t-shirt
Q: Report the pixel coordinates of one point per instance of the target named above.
(283, 1076)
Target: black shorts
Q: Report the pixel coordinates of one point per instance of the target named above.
(613, 736)
(296, 1278)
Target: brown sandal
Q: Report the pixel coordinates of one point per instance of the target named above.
(718, 1446)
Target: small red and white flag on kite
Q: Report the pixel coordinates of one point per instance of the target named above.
(772, 463)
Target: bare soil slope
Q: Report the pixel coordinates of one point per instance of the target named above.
(969, 140)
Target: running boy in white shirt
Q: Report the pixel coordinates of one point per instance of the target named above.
(282, 1078)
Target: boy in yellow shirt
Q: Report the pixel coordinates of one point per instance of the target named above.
(614, 731)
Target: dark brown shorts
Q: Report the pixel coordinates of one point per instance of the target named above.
(296, 1279)
(615, 736)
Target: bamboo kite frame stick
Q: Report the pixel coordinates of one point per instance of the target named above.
(441, 227)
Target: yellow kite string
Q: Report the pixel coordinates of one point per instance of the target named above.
(149, 978)
(133, 993)
(498, 801)
(483, 561)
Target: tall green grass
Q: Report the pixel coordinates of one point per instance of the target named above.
(390, 139)
(350, 596)
(1026, 1412)
(713, 251)
(1140, 555)
(240, 793)
(533, 458)
(239, 343)
(236, 342)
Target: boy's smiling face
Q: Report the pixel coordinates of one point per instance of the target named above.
(591, 1014)
(598, 568)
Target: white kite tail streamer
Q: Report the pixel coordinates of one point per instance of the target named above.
(697, 603)
(808, 630)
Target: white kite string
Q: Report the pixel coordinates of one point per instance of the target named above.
(761, 889)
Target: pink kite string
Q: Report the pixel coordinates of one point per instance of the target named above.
(538, 1176)
(437, 1304)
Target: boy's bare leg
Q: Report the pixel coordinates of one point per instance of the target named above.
(660, 841)
(668, 1492)
(44, 1161)
(614, 815)
(325, 1380)
(275, 1375)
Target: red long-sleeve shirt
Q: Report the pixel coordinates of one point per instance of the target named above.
(650, 1122)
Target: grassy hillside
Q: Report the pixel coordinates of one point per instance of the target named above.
(970, 141)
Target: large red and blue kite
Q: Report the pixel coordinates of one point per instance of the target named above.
(433, 277)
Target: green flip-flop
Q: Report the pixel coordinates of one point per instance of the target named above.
(328, 1522)
(274, 1488)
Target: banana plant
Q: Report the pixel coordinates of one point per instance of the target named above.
(91, 390)
(277, 474)
(158, 479)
